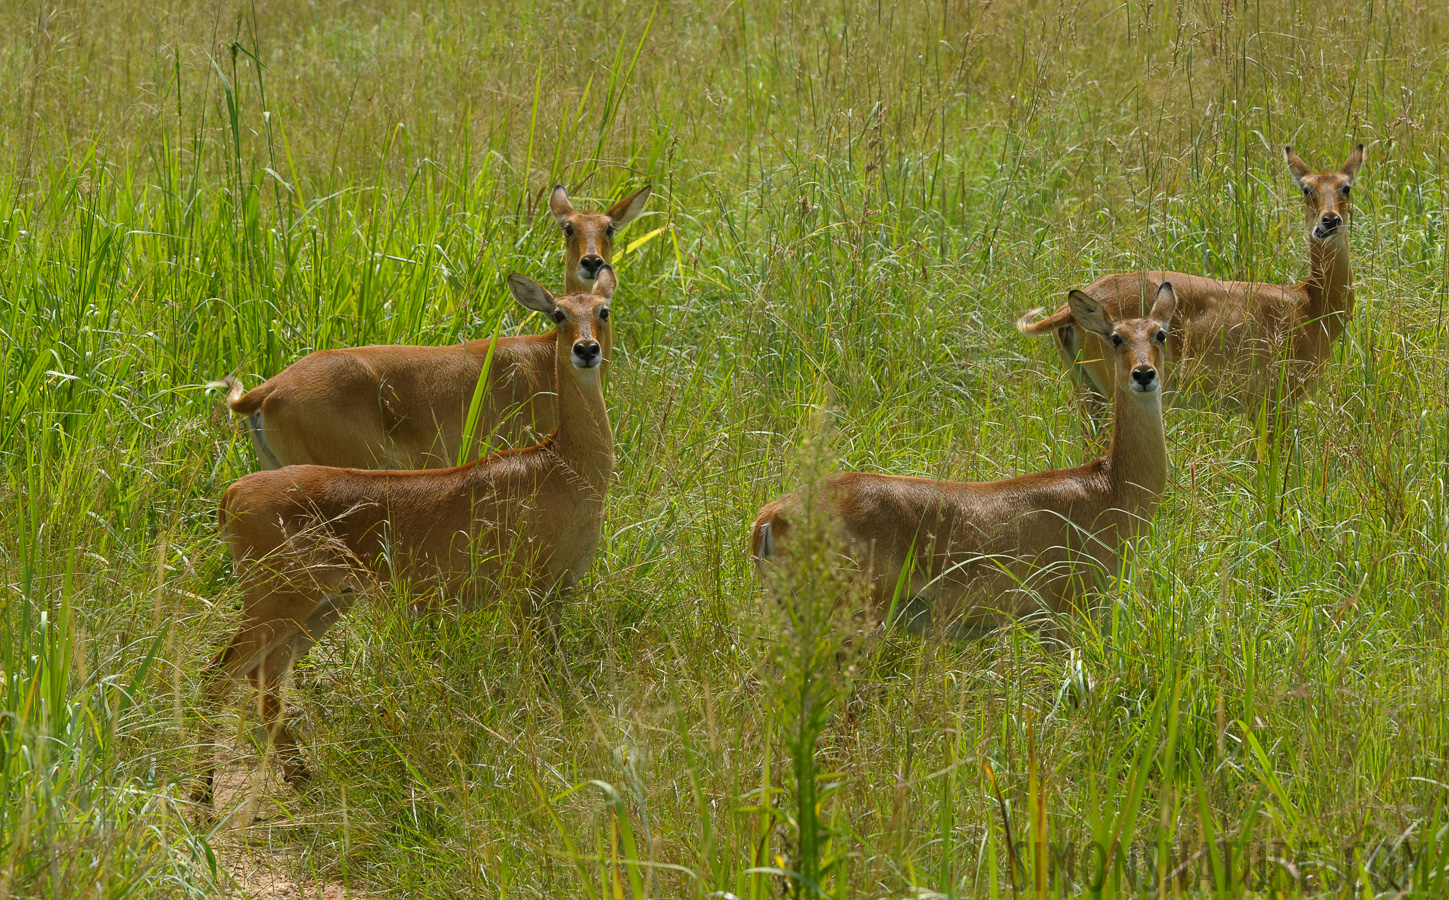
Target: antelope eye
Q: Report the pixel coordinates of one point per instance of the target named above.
(1344, 190)
(1116, 340)
(604, 314)
(568, 230)
(609, 231)
(1161, 337)
(558, 316)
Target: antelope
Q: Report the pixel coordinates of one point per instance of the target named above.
(1246, 344)
(306, 540)
(974, 552)
(406, 407)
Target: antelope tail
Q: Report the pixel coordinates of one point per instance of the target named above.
(234, 390)
(769, 529)
(237, 396)
(249, 404)
(1028, 319)
(762, 541)
(1035, 324)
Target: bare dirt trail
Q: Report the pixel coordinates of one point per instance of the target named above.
(254, 846)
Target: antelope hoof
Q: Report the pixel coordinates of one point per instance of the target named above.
(204, 793)
(296, 773)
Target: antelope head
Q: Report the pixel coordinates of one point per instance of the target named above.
(1139, 346)
(589, 237)
(582, 319)
(1325, 194)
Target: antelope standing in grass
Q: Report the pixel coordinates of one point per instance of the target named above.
(406, 407)
(975, 552)
(307, 539)
(1245, 343)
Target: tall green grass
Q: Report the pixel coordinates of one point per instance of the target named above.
(856, 201)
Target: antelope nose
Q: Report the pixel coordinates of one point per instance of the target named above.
(1331, 220)
(1144, 375)
(591, 264)
(586, 354)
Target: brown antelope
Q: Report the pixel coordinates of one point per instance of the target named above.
(307, 539)
(974, 552)
(406, 407)
(1246, 343)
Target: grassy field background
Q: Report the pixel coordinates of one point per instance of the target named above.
(854, 201)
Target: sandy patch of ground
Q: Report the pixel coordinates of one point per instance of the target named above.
(256, 879)
(257, 811)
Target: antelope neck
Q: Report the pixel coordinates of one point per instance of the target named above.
(1137, 460)
(1330, 280)
(584, 438)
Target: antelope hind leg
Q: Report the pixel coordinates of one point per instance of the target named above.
(241, 657)
(268, 681)
(263, 650)
(278, 663)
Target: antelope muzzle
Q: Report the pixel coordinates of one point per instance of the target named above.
(1328, 225)
(589, 267)
(1145, 380)
(587, 354)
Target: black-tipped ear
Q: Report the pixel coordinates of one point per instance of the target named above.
(531, 294)
(1296, 166)
(559, 205)
(605, 283)
(1165, 304)
(628, 209)
(1355, 159)
(1089, 313)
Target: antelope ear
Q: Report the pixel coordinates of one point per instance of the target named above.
(1165, 303)
(628, 209)
(1089, 314)
(1296, 166)
(605, 283)
(531, 294)
(1355, 159)
(559, 205)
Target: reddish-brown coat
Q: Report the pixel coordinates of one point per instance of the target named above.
(980, 551)
(307, 539)
(406, 407)
(1242, 343)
